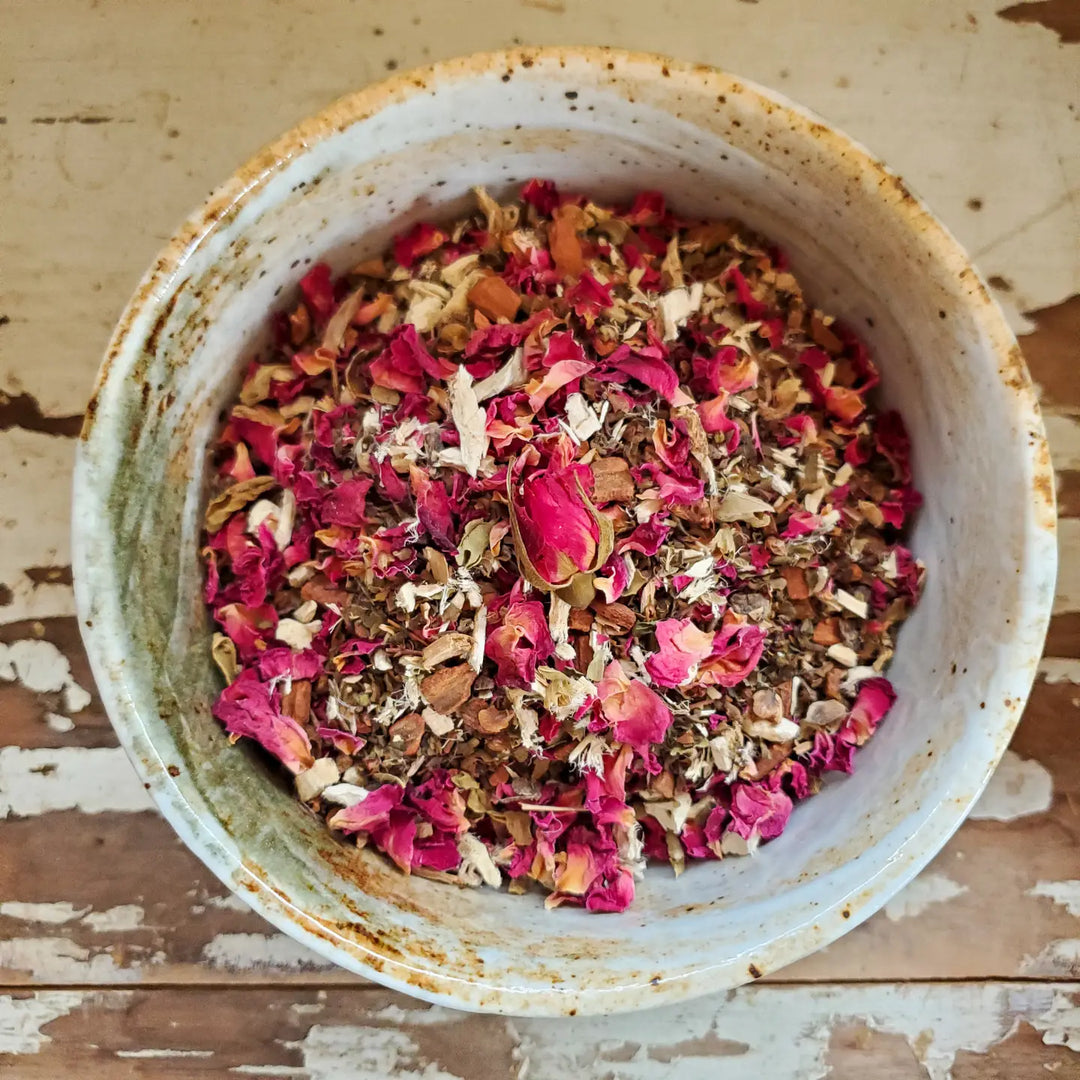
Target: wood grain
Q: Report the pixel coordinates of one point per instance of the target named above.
(189, 930)
(886, 1031)
(120, 955)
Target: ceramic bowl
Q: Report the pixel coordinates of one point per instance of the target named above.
(610, 123)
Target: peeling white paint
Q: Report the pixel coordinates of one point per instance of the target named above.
(36, 515)
(93, 780)
(22, 1018)
(1065, 893)
(925, 890)
(54, 914)
(936, 1021)
(152, 1053)
(1067, 592)
(1018, 788)
(43, 669)
(722, 1036)
(1060, 1024)
(1060, 669)
(1061, 957)
(365, 1053)
(271, 1070)
(59, 960)
(123, 917)
(1063, 435)
(307, 1008)
(358, 1052)
(718, 1036)
(113, 920)
(252, 952)
(231, 902)
(421, 1016)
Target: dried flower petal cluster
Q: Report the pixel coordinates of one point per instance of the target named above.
(556, 540)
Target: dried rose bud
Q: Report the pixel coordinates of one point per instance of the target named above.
(559, 531)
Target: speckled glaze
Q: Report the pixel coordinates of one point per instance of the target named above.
(609, 122)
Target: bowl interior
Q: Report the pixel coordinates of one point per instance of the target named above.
(412, 149)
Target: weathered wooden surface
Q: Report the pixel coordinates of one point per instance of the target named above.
(887, 1031)
(120, 956)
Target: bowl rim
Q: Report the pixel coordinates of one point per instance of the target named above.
(92, 541)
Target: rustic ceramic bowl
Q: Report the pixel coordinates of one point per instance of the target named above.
(611, 123)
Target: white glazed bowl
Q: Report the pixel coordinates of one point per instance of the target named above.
(609, 123)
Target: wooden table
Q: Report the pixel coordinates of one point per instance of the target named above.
(120, 956)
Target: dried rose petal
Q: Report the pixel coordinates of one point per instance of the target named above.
(682, 648)
(757, 810)
(520, 643)
(246, 709)
(735, 653)
(874, 700)
(637, 714)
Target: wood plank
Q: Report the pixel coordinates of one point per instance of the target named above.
(96, 893)
(107, 156)
(888, 1031)
(1001, 900)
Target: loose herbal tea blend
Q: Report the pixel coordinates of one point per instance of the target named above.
(556, 540)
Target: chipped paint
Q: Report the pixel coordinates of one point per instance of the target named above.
(58, 723)
(230, 902)
(925, 890)
(1064, 893)
(431, 1014)
(1067, 594)
(255, 952)
(1018, 788)
(93, 780)
(704, 1039)
(956, 118)
(60, 960)
(1060, 669)
(22, 1018)
(34, 472)
(153, 1053)
(43, 669)
(54, 914)
(721, 1036)
(365, 1053)
(1060, 1024)
(936, 1021)
(1063, 435)
(1061, 957)
(1057, 16)
(119, 919)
